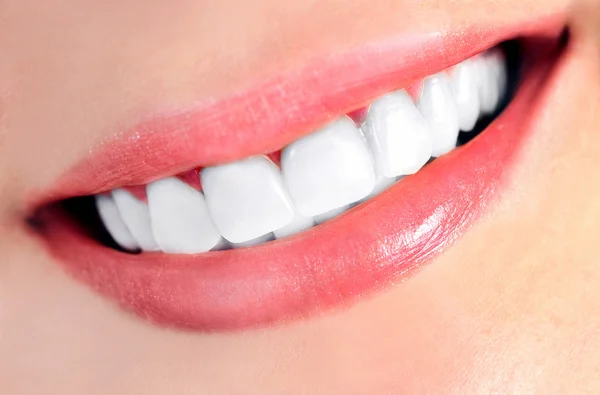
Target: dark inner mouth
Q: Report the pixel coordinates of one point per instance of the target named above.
(83, 210)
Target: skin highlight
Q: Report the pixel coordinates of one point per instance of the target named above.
(511, 308)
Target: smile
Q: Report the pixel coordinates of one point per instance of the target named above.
(313, 179)
(308, 190)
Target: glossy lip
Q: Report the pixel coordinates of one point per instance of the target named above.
(370, 247)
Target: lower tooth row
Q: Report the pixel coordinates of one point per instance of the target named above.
(323, 174)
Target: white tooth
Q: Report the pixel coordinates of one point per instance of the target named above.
(111, 218)
(382, 184)
(328, 169)
(253, 242)
(489, 93)
(136, 216)
(319, 219)
(246, 199)
(397, 135)
(466, 94)
(439, 109)
(498, 62)
(298, 224)
(181, 223)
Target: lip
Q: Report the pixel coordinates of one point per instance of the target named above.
(371, 246)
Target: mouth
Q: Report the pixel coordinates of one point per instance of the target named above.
(308, 191)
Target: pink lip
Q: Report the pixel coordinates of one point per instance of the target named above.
(368, 248)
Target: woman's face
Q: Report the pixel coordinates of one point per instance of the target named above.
(505, 300)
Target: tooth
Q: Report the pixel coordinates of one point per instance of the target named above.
(382, 184)
(246, 199)
(319, 219)
(136, 216)
(489, 93)
(328, 169)
(253, 242)
(466, 94)
(181, 223)
(397, 135)
(499, 66)
(438, 107)
(298, 224)
(111, 218)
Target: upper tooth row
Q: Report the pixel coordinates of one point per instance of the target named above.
(252, 200)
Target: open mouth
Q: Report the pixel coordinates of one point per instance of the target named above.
(309, 191)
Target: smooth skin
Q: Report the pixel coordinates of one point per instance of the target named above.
(513, 307)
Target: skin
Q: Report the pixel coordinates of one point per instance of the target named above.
(513, 307)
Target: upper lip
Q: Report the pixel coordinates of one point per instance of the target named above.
(272, 113)
(370, 246)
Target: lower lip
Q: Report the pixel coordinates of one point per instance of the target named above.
(368, 248)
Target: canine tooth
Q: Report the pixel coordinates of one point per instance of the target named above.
(466, 94)
(246, 199)
(136, 216)
(328, 169)
(111, 218)
(438, 107)
(319, 219)
(181, 223)
(397, 134)
(298, 224)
